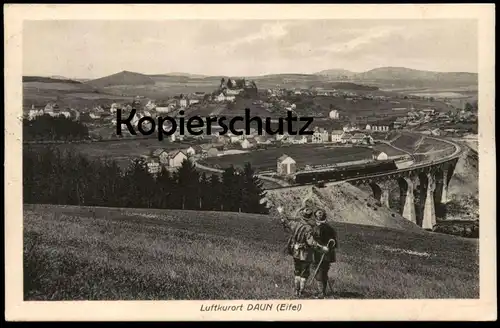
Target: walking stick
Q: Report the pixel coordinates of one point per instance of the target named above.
(319, 265)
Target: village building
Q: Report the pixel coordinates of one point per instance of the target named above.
(286, 165)
(429, 111)
(334, 114)
(246, 144)
(317, 137)
(380, 128)
(50, 107)
(224, 97)
(224, 139)
(235, 139)
(176, 158)
(199, 94)
(114, 107)
(358, 138)
(76, 114)
(161, 154)
(65, 113)
(294, 139)
(379, 155)
(346, 138)
(33, 113)
(150, 105)
(325, 136)
(262, 140)
(400, 122)
(153, 166)
(298, 139)
(436, 132)
(233, 92)
(190, 151)
(336, 136)
(165, 109)
(280, 137)
(350, 128)
(94, 116)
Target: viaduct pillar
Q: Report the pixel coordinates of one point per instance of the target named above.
(384, 196)
(429, 217)
(409, 202)
(444, 192)
(381, 192)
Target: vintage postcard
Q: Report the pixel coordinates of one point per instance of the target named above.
(250, 162)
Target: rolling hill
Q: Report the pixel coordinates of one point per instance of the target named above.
(160, 86)
(336, 73)
(122, 78)
(194, 76)
(91, 253)
(402, 73)
(43, 79)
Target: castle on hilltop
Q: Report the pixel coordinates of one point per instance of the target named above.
(238, 86)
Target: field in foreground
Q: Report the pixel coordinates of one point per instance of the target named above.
(124, 254)
(79, 253)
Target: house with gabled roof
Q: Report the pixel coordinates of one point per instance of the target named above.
(161, 154)
(379, 155)
(286, 165)
(176, 158)
(336, 136)
(358, 138)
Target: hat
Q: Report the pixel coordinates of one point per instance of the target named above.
(307, 212)
(320, 215)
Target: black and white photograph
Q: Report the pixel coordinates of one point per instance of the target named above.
(242, 159)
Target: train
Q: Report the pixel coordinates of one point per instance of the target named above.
(348, 172)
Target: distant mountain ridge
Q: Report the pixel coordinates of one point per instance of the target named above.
(48, 79)
(383, 74)
(403, 74)
(122, 78)
(336, 72)
(193, 76)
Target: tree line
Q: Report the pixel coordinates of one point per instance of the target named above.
(52, 176)
(46, 127)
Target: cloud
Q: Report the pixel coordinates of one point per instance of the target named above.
(364, 40)
(268, 31)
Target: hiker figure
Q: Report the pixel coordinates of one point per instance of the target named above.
(301, 246)
(325, 234)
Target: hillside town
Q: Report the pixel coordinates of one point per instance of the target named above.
(340, 129)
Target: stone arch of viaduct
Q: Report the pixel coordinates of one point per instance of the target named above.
(431, 182)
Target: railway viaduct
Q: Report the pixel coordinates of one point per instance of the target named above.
(428, 181)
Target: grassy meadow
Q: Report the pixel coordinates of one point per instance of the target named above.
(82, 253)
(306, 154)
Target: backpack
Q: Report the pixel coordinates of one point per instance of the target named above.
(290, 245)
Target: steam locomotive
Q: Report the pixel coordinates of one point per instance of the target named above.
(348, 172)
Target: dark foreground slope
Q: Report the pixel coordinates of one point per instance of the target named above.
(78, 253)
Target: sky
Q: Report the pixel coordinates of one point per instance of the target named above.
(92, 49)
